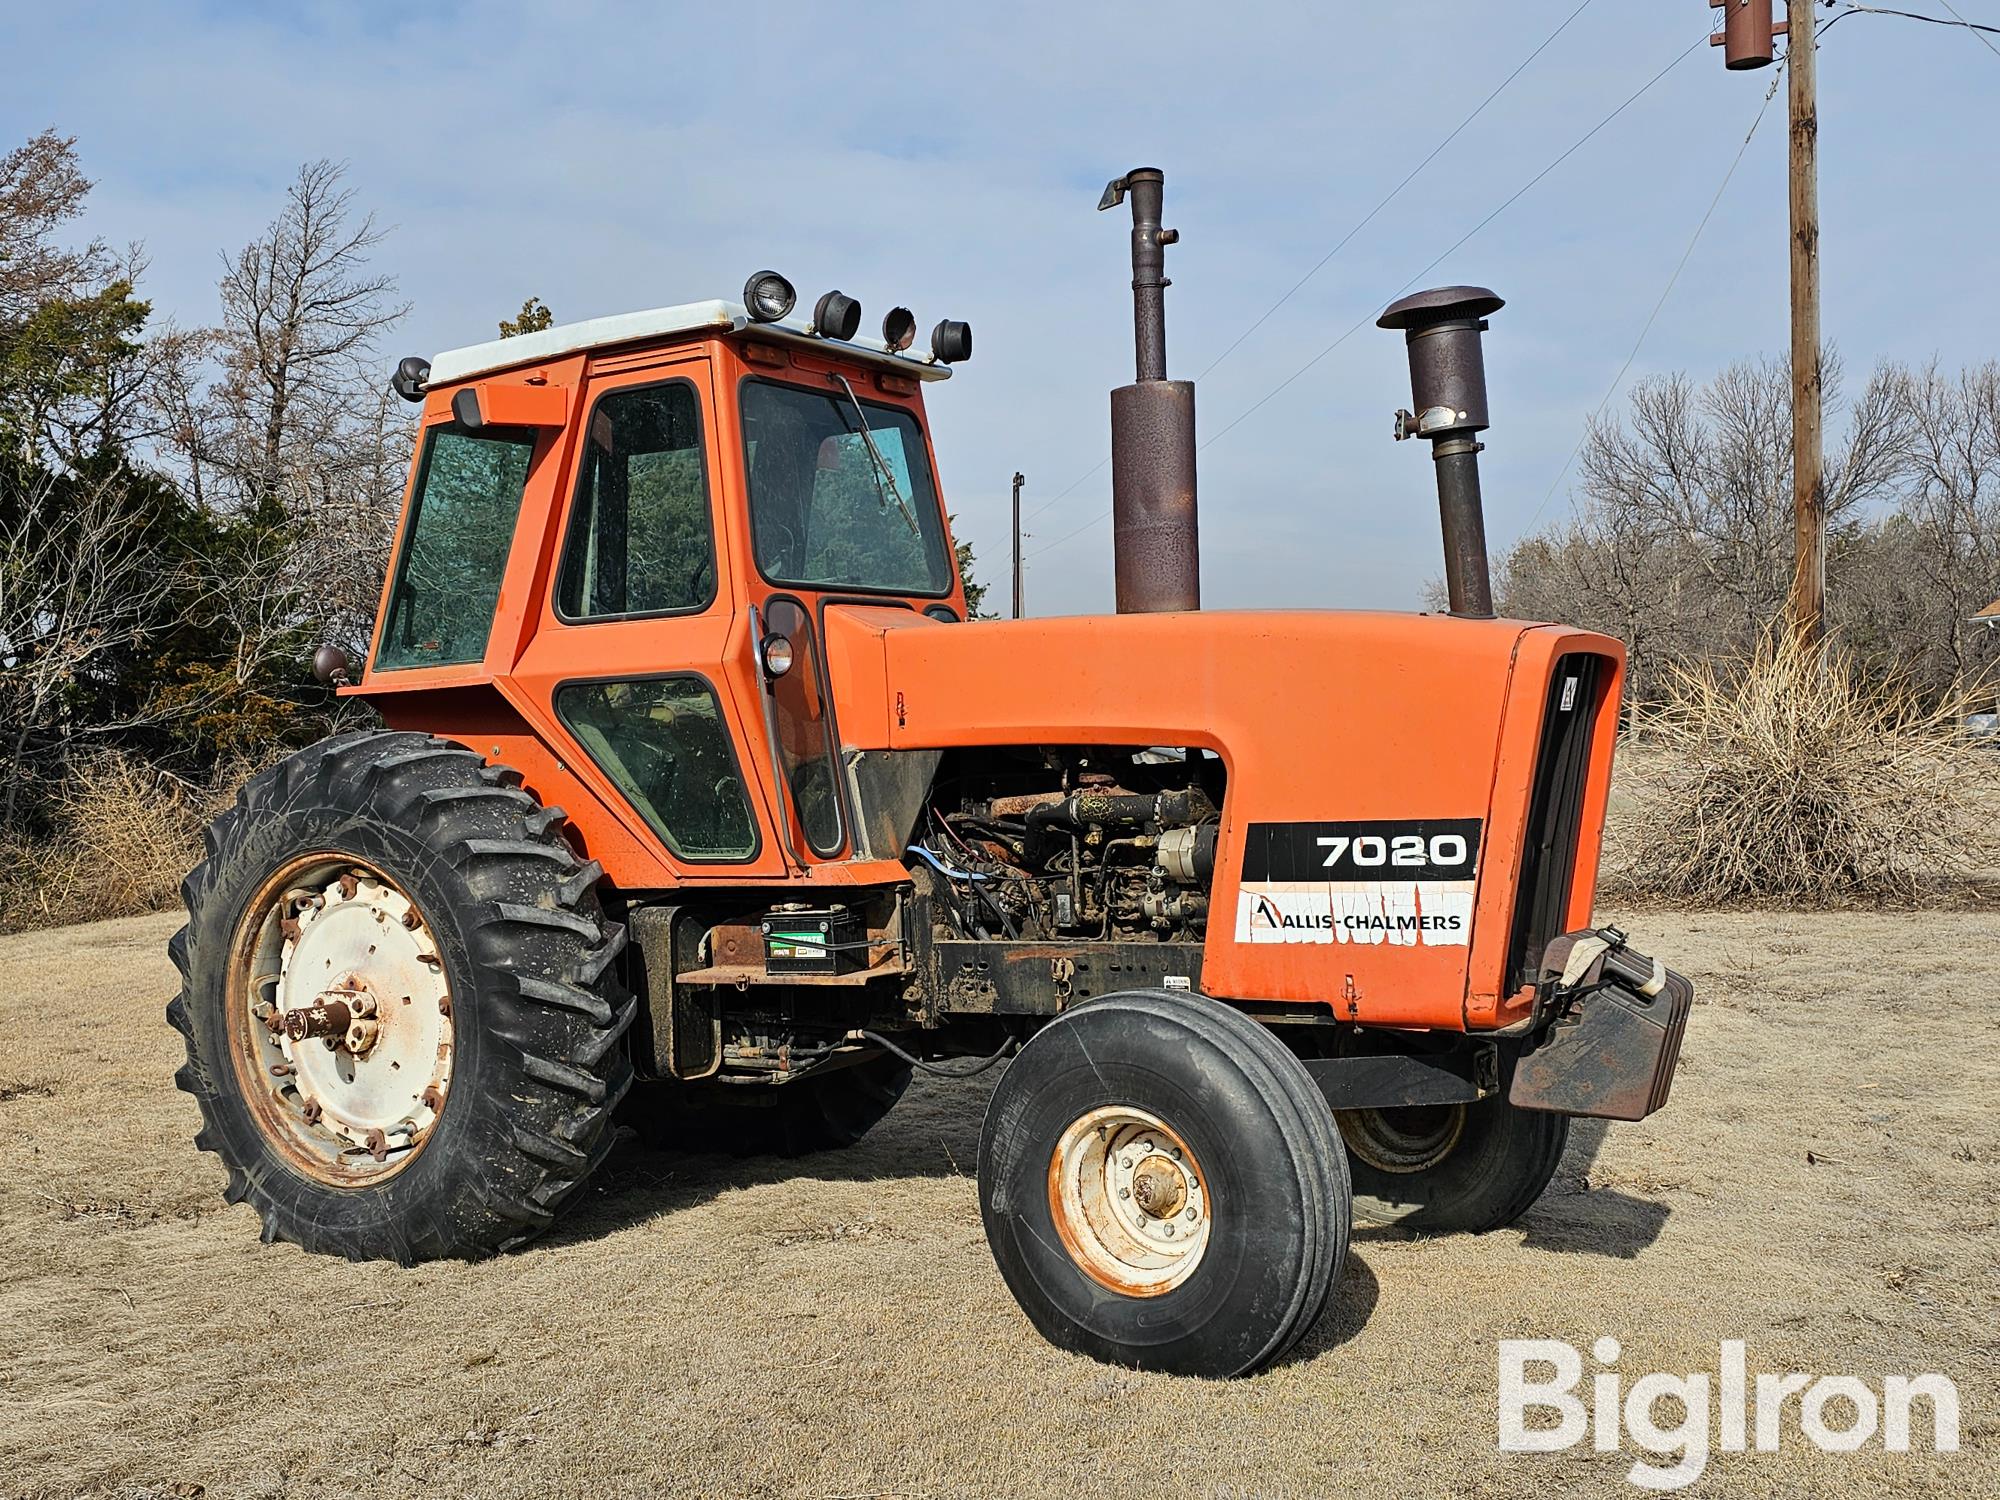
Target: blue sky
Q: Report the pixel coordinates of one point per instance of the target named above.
(613, 156)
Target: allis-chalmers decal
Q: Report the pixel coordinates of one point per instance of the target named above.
(1402, 882)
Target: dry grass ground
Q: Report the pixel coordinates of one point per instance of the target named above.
(1823, 1185)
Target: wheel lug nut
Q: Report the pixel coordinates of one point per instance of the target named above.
(1169, 1231)
(1124, 1192)
(1193, 1214)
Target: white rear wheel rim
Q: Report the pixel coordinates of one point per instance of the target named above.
(330, 938)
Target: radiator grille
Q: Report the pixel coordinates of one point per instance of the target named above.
(1555, 812)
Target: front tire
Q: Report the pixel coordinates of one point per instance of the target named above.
(1162, 1186)
(1451, 1169)
(464, 1094)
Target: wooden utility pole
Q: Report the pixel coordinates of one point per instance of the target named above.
(1018, 481)
(1807, 609)
(1746, 39)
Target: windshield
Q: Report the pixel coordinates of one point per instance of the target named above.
(826, 512)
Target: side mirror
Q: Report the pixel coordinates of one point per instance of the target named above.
(331, 666)
(489, 403)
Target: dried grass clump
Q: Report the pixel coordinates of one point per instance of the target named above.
(1789, 779)
(128, 834)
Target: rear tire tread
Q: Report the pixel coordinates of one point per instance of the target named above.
(538, 952)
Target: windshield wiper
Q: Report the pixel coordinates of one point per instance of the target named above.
(882, 470)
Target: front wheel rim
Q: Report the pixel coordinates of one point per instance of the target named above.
(1404, 1140)
(1129, 1201)
(339, 1013)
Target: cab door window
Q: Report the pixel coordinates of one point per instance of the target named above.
(665, 743)
(639, 540)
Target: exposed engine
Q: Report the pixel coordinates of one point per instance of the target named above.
(1086, 844)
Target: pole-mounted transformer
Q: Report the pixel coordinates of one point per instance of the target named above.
(1747, 33)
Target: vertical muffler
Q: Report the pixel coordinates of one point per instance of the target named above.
(1155, 533)
(1441, 328)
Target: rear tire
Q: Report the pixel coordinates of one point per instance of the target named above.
(530, 1060)
(1451, 1169)
(826, 1112)
(1162, 1186)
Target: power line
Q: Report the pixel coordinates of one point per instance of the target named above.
(1969, 26)
(1366, 219)
(1653, 317)
(1455, 246)
(1460, 242)
(1909, 15)
(1414, 172)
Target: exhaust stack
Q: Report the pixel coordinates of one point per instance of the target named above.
(1155, 531)
(1448, 388)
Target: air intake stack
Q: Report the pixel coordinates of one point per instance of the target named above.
(1448, 389)
(1155, 533)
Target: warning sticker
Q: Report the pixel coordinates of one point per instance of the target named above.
(1405, 882)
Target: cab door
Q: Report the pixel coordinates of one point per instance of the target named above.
(640, 648)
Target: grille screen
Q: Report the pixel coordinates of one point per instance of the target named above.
(1555, 813)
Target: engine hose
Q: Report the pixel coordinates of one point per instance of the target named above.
(1006, 1048)
(942, 868)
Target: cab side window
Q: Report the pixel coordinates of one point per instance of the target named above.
(461, 528)
(639, 540)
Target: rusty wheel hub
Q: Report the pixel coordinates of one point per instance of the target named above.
(1129, 1201)
(349, 1041)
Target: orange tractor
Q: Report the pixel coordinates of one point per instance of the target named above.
(703, 805)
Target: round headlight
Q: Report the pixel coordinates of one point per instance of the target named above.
(836, 316)
(951, 342)
(777, 654)
(899, 328)
(767, 296)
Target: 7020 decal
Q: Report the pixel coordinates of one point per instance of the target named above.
(1400, 851)
(1426, 849)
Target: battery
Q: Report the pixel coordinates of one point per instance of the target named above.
(813, 940)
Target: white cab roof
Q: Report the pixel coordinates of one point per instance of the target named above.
(657, 323)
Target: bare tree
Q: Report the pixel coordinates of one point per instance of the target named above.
(301, 315)
(41, 189)
(78, 583)
(1681, 543)
(1939, 556)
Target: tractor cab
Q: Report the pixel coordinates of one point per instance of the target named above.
(622, 535)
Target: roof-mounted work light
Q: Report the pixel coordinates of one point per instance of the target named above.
(836, 316)
(767, 297)
(899, 329)
(951, 342)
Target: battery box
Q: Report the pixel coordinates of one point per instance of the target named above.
(814, 940)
